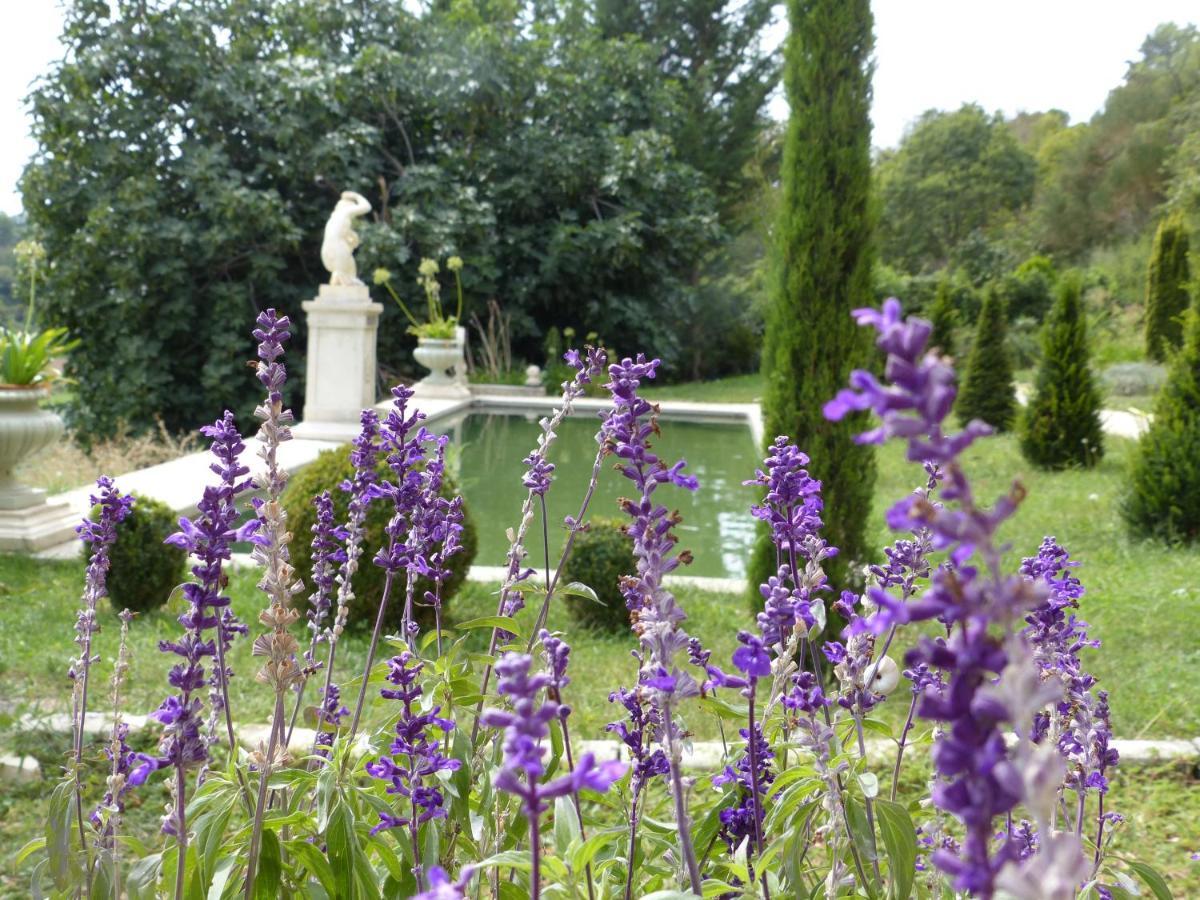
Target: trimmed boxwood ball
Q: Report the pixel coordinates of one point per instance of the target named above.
(601, 557)
(326, 473)
(143, 571)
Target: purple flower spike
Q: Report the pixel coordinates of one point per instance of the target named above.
(526, 727)
(416, 757)
(442, 888)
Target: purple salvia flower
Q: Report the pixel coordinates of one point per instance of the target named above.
(208, 539)
(278, 581)
(364, 455)
(979, 779)
(278, 645)
(327, 556)
(442, 888)
(107, 816)
(743, 819)
(403, 439)
(626, 429)
(538, 476)
(113, 507)
(526, 728)
(330, 716)
(792, 504)
(415, 755)
(638, 735)
(1078, 724)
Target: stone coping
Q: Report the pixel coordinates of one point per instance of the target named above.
(178, 482)
(698, 756)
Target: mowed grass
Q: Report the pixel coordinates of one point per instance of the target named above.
(732, 389)
(1143, 602)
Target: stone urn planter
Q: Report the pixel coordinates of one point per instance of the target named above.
(439, 356)
(25, 429)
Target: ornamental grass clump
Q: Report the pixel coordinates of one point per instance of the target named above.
(458, 770)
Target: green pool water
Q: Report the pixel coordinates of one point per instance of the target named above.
(717, 526)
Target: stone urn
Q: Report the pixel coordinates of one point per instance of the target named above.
(25, 429)
(439, 356)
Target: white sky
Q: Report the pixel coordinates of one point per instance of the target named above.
(1010, 55)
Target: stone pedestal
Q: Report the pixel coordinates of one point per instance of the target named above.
(27, 521)
(342, 327)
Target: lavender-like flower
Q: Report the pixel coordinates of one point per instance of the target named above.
(442, 888)
(648, 762)
(980, 781)
(278, 645)
(363, 457)
(107, 817)
(626, 430)
(416, 757)
(1078, 725)
(327, 556)
(526, 727)
(208, 540)
(100, 534)
(539, 474)
(403, 439)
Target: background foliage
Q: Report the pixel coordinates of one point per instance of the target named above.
(190, 153)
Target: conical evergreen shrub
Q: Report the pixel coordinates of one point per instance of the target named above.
(943, 317)
(1164, 486)
(988, 392)
(1061, 425)
(1167, 287)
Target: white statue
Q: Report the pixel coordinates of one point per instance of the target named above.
(337, 251)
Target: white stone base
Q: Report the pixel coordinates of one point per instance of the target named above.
(340, 379)
(37, 527)
(451, 391)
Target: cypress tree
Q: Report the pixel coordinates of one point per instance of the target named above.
(1164, 494)
(1061, 425)
(823, 265)
(943, 317)
(1166, 287)
(988, 391)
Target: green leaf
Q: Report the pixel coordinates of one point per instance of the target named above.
(1152, 878)
(506, 623)
(270, 868)
(579, 589)
(869, 784)
(58, 834)
(508, 859)
(32, 847)
(221, 876)
(566, 825)
(900, 841)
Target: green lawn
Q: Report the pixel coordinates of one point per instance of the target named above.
(734, 389)
(1143, 602)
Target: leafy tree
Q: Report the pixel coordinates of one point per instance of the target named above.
(944, 317)
(713, 51)
(824, 261)
(1061, 425)
(1167, 287)
(1164, 490)
(1106, 179)
(953, 174)
(1029, 289)
(988, 392)
(190, 153)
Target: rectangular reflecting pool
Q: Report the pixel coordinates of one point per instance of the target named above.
(717, 526)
